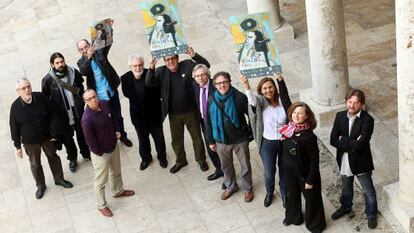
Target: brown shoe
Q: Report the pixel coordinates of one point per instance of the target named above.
(106, 212)
(226, 195)
(125, 193)
(248, 196)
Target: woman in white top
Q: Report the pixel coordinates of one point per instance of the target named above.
(267, 114)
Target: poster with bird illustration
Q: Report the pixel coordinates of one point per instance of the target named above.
(164, 28)
(256, 48)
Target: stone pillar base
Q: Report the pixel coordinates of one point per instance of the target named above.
(285, 32)
(325, 115)
(402, 212)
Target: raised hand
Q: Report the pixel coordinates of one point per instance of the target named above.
(278, 76)
(152, 62)
(190, 51)
(245, 82)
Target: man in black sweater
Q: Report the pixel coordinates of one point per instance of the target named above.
(175, 80)
(33, 123)
(145, 111)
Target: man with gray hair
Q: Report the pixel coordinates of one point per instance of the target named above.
(145, 111)
(203, 87)
(33, 123)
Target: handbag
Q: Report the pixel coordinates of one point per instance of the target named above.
(249, 126)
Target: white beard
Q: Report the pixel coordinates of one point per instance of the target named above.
(138, 75)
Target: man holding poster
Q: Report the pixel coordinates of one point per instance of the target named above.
(102, 78)
(175, 80)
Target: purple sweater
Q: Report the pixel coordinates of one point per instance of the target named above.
(99, 128)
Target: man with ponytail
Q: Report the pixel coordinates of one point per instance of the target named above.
(63, 86)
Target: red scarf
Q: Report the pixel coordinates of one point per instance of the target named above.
(288, 130)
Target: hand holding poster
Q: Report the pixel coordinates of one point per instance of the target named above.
(101, 33)
(255, 44)
(164, 28)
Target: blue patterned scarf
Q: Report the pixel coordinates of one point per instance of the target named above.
(217, 118)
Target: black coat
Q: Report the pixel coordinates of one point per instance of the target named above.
(304, 162)
(101, 58)
(196, 88)
(34, 123)
(161, 77)
(359, 150)
(144, 112)
(52, 91)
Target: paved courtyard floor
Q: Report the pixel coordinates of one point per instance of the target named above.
(184, 202)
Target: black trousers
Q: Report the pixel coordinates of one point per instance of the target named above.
(70, 146)
(34, 152)
(80, 138)
(116, 110)
(215, 159)
(157, 135)
(314, 212)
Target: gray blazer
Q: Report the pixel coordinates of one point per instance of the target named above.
(256, 113)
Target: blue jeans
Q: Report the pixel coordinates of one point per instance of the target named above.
(270, 150)
(371, 207)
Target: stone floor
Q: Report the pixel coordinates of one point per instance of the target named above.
(185, 202)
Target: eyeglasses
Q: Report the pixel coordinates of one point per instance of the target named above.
(200, 75)
(170, 59)
(91, 98)
(224, 83)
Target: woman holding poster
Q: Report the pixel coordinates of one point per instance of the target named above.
(267, 114)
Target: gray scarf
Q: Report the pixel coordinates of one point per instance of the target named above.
(66, 85)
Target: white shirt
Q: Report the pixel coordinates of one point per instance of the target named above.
(345, 168)
(273, 118)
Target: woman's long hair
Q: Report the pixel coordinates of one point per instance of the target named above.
(275, 98)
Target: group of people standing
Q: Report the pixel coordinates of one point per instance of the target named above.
(210, 108)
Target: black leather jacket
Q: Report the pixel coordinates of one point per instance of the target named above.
(52, 91)
(101, 58)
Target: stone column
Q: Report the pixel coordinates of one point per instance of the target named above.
(405, 82)
(283, 30)
(328, 59)
(400, 195)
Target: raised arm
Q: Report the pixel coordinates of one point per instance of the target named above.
(84, 65)
(283, 92)
(197, 58)
(251, 97)
(152, 78)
